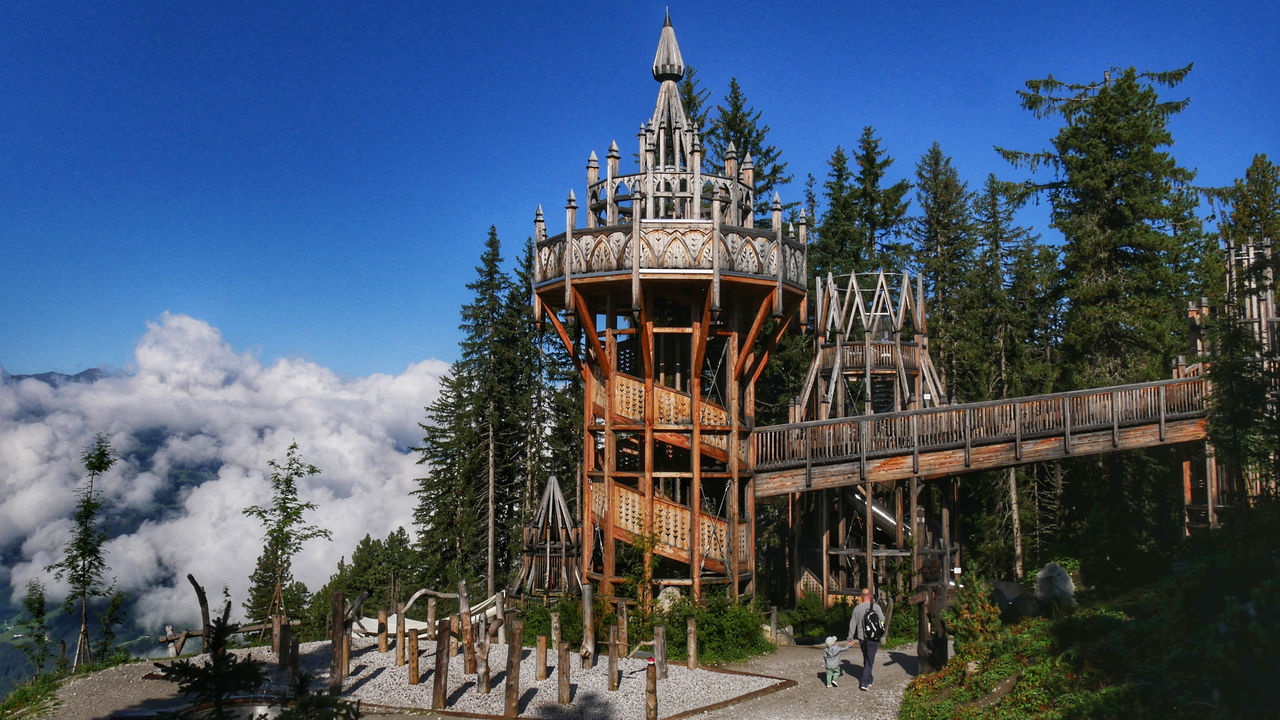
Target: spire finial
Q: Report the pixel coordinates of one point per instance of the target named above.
(667, 63)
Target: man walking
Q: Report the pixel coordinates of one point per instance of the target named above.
(867, 627)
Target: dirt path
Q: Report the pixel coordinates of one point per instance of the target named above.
(810, 699)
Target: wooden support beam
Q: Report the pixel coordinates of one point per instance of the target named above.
(757, 324)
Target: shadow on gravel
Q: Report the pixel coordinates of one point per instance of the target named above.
(909, 663)
(362, 681)
(457, 694)
(523, 703)
(151, 708)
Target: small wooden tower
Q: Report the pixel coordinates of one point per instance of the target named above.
(871, 350)
(871, 355)
(551, 553)
(678, 298)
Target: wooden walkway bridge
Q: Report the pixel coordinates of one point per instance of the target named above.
(950, 440)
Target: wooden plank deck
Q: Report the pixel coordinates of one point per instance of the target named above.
(977, 436)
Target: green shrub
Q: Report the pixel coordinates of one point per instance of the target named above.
(32, 698)
(727, 631)
(537, 620)
(973, 620)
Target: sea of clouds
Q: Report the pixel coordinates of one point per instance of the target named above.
(225, 413)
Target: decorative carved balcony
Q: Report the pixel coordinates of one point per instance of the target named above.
(672, 248)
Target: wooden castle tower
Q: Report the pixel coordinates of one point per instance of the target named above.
(670, 299)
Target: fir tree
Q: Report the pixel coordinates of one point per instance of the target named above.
(83, 563)
(1125, 209)
(944, 252)
(475, 437)
(36, 627)
(738, 125)
(879, 211)
(285, 534)
(219, 679)
(694, 98)
(1132, 249)
(836, 249)
(1244, 428)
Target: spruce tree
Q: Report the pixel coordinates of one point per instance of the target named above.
(1244, 427)
(694, 97)
(1126, 212)
(1133, 254)
(738, 124)
(836, 249)
(879, 211)
(468, 511)
(944, 252)
(83, 563)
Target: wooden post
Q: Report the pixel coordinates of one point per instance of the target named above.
(622, 626)
(413, 657)
(692, 643)
(562, 673)
(440, 687)
(275, 633)
(336, 669)
(588, 628)
(453, 639)
(431, 618)
(468, 634)
(651, 691)
(613, 658)
(399, 634)
(555, 629)
(540, 659)
(660, 649)
(773, 624)
(502, 617)
(293, 659)
(346, 653)
(511, 702)
(284, 641)
(482, 658)
(382, 631)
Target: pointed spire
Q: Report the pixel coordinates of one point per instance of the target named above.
(667, 63)
(613, 149)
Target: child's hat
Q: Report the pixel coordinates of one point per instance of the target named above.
(831, 640)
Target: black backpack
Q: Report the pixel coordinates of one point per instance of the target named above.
(872, 625)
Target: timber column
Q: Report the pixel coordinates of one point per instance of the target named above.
(669, 300)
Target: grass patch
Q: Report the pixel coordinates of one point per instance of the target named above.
(32, 699)
(1196, 643)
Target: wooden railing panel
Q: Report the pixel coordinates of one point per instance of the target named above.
(977, 424)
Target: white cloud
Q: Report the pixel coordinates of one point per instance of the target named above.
(219, 410)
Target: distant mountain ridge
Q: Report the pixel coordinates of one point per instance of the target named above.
(57, 379)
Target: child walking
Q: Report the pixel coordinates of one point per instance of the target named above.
(831, 656)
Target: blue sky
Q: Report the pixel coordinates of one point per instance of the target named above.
(317, 179)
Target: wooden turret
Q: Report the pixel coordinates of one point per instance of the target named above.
(670, 287)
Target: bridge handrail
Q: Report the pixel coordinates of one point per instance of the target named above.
(980, 423)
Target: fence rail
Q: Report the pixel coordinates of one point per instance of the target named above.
(827, 442)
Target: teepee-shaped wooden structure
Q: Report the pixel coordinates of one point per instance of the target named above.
(552, 549)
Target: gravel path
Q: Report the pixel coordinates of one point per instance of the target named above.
(375, 680)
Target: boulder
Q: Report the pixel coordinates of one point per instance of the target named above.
(1054, 588)
(667, 599)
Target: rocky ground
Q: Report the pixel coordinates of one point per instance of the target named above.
(793, 688)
